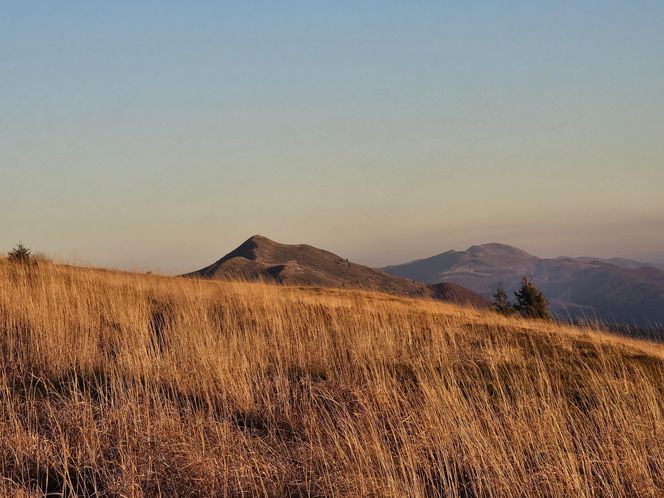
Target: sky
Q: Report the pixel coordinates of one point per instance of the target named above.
(159, 135)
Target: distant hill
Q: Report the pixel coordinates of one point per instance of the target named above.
(260, 258)
(613, 290)
(454, 293)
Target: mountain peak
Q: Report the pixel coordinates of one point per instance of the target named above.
(259, 258)
(613, 290)
(248, 249)
(259, 239)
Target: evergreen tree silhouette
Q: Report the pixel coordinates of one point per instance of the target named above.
(500, 302)
(531, 302)
(20, 253)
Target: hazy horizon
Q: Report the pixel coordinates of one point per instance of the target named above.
(185, 264)
(159, 137)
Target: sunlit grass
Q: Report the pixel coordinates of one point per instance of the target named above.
(134, 385)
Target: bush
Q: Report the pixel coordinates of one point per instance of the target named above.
(20, 253)
(23, 254)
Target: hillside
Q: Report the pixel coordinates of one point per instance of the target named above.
(615, 291)
(120, 384)
(260, 258)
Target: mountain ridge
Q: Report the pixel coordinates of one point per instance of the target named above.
(615, 290)
(260, 258)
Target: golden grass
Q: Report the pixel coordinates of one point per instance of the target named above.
(131, 385)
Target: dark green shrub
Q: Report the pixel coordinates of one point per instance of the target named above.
(20, 253)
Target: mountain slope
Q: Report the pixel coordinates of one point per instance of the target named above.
(125, 384)
(613, 290)
(260, 258)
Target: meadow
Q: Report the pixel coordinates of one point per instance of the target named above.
(126, 384)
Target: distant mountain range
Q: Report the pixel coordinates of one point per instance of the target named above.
(260, 258)
(615, 291)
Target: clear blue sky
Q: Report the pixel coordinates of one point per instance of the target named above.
(159, 135)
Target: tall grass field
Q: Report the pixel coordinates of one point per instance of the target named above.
(129, 385)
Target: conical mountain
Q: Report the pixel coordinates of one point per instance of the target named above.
(259, 258)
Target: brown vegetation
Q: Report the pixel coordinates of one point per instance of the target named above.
(131, 385)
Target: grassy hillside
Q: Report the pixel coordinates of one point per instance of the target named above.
(134, 385)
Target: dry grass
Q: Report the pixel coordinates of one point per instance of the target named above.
(130, 385)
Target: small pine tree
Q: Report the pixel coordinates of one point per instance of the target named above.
(501, 303)
(20, 253)
(531, 302)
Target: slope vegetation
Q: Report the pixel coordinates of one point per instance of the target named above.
(116, 384)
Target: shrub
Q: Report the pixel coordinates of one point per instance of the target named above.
(20, 253)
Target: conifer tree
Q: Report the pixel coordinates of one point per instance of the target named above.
(531, 302)
(501, 303)
(20, 253)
